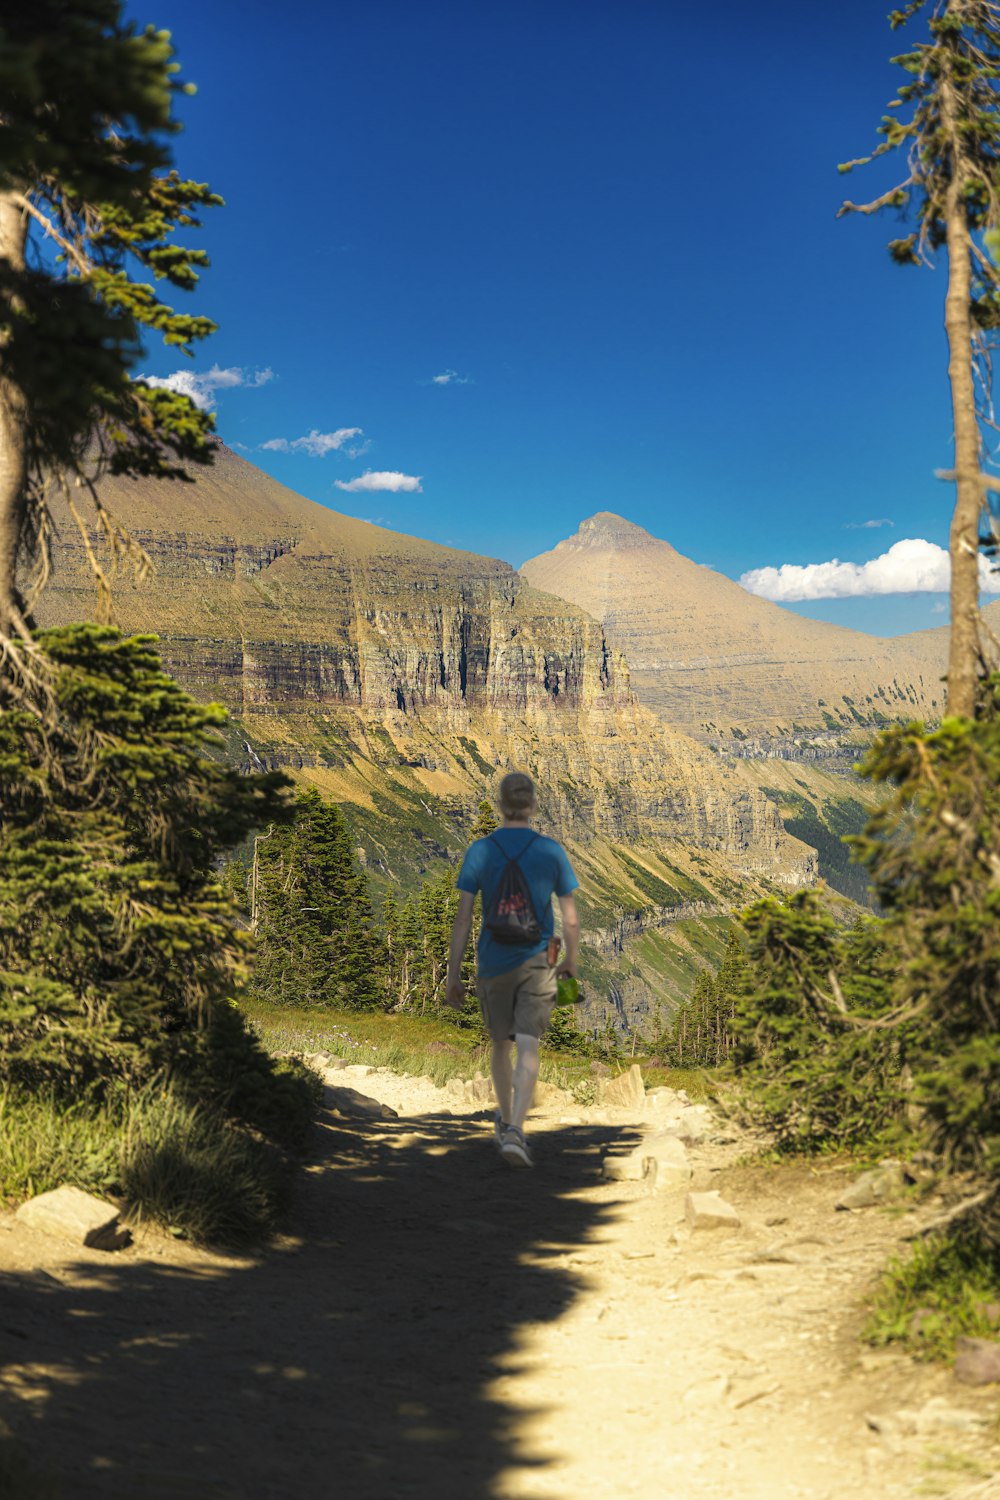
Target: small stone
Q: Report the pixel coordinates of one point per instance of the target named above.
(710, 1211)
(884, 1183)
(626, 1091)
(355, 1106)
(708, 1392)
(359, 1070)
(977, 1361)
(600, 1070)
(478, 1090)
(77, 1216)
(635, 1167)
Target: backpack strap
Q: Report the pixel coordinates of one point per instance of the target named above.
(512, 859)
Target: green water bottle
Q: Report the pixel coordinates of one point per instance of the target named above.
(567, 991)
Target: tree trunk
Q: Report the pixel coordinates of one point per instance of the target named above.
(963, 653)
(13, 436)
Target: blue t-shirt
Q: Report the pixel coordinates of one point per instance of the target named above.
(547, 872)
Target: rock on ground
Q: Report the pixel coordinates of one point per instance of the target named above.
(884, 1183)
(977, 1361)
(74, 1215)
(624, 1092)
(710, 1211)
(345, 1101)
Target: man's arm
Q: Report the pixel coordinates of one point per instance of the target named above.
(454, 994)
(571, 934)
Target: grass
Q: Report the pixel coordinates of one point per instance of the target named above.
(43, 1144)
(415, 1045)
(938, 1292)
(170, 1161)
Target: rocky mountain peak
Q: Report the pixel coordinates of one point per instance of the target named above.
(606, 529)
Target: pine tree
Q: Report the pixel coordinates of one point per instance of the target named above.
(315, 944)
(952, 144)
(119, 948)
(485, 822)
(89, 203)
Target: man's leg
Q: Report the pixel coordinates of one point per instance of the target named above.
(501, 1068)
(525, 1078)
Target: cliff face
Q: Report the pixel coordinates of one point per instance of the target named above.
(404, 678)
(317, 631)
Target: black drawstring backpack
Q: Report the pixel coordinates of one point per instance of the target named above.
(511, 917)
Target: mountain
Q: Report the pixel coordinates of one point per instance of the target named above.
(724, 665)
(402, 678)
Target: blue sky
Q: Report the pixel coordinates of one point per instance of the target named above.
(611, 226)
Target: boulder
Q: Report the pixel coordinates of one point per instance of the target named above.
(600, 1070)
(478, 1090)
(710, 1211)
(977, 1361)
(693, 1124)
(355, 1106)
(673, 1167)
(626, 1091)
(324, 1062)
(76, 1216)
(551, 1094)
(635, 1167)
(884, 1183)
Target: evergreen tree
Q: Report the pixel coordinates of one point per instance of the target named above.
(485, 822)
(118, 945)
(952, 143)
(315, 944)
(89, 203)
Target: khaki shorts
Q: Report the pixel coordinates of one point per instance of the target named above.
(520, 1002)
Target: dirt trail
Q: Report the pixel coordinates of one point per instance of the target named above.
(437, 1325)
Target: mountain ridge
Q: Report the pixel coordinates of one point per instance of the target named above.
(721, 663)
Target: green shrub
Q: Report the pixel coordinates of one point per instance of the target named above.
(817, 1070)
(849, 1037)
(945, 1287)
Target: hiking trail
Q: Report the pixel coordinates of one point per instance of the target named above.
(435, 1324)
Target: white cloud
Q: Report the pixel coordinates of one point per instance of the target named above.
(938, 608)
(382, 479)
(316, 444)
(867, 525)
(451, 377)
(202, 388)
(909, 567)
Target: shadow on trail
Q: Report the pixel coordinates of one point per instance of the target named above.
(357, 1358)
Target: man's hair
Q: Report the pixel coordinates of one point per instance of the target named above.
(516, 795)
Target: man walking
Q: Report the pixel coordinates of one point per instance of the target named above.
(515, 980)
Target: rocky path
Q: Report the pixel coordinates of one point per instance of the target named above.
(437, 1325)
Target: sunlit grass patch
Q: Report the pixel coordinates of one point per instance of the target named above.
(946, 1286)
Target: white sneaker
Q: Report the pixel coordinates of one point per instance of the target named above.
(513, 1148)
